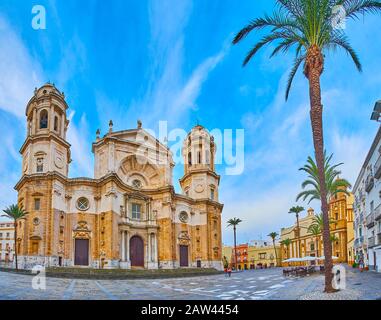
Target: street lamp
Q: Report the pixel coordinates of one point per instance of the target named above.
(376, 114)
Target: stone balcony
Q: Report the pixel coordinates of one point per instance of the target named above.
(370, 220)
(359, 241)
(377, 168)
(371, 242)
(369, 183)
(377, 213)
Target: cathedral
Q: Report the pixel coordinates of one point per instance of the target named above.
(128, 216)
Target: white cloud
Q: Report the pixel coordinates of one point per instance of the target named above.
(78, 137)
(20, 72)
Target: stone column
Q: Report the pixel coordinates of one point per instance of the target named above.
(127, 246)
(149, 248)
(63, 126)
(123, 249)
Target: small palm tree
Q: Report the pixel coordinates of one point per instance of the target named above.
(297, 210)
(234, 222)
(273, 236)
(15, 213)
(309, 27)
(286, 243)
(334, 184)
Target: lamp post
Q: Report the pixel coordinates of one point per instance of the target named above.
(376, 114)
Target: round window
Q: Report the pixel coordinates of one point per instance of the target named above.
(137, 184)
(83, 204)
(183, 217)
(36, 221)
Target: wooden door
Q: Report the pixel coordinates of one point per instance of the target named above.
(81, 252)
(184, 256)
(136, 252)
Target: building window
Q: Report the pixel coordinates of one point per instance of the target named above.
(37, 204)
(136, 210)
(44, 119)
(199, 157)
(40, 165)
(1, 235)
(83, 204)
(34, 248)
(190, 158)
(8, 235)
(183, 216)
(212, 193)
(137, 184)
(262, 256)
(56, 123)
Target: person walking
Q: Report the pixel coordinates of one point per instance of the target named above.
(229, 271)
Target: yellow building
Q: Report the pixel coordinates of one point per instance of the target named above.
(128, 215)
(253, 256)
(266, 256)
(341, 212)
(7, 230)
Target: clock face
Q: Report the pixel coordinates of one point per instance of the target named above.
(58, 160)
(199, 188)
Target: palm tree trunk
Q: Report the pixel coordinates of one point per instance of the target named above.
(313, 70)
(235, 248)
(297, 225)
(276, 256)
(15, 244)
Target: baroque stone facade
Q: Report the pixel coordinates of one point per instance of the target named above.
(341, 229)
(128, 215)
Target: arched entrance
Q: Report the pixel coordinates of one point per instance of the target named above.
(81, 257)
(136, 251)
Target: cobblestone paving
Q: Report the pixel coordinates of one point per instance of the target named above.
(248, 285)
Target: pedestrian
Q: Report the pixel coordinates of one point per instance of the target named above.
(361, 264)
(229, 271)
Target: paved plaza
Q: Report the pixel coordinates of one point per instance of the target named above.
(248, 285)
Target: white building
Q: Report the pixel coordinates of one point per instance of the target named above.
(367, 208)
(6, 241)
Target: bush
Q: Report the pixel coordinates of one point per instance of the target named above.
(354, 265)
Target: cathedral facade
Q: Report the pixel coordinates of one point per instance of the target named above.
(128, 215)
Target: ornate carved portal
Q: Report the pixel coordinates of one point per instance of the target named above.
(82, 231)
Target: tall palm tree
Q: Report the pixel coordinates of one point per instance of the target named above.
(286, 243)
(273, 236)
(296, 210)
(234, 222)
(308, 26)
(15, 213)
(334, 184)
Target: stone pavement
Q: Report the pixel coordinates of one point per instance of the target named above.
(248, 285)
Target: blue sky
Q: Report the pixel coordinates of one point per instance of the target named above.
(172, 60)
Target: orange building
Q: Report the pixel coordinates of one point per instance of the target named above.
(242, 257)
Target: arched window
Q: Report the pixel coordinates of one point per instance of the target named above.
(190, 158)
(56, 123)
(44, 119)
(199, 157)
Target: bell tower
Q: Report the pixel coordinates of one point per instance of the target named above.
(200, 181)
(45, 148)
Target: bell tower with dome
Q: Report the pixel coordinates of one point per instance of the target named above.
(200, 180)
(45, 148)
